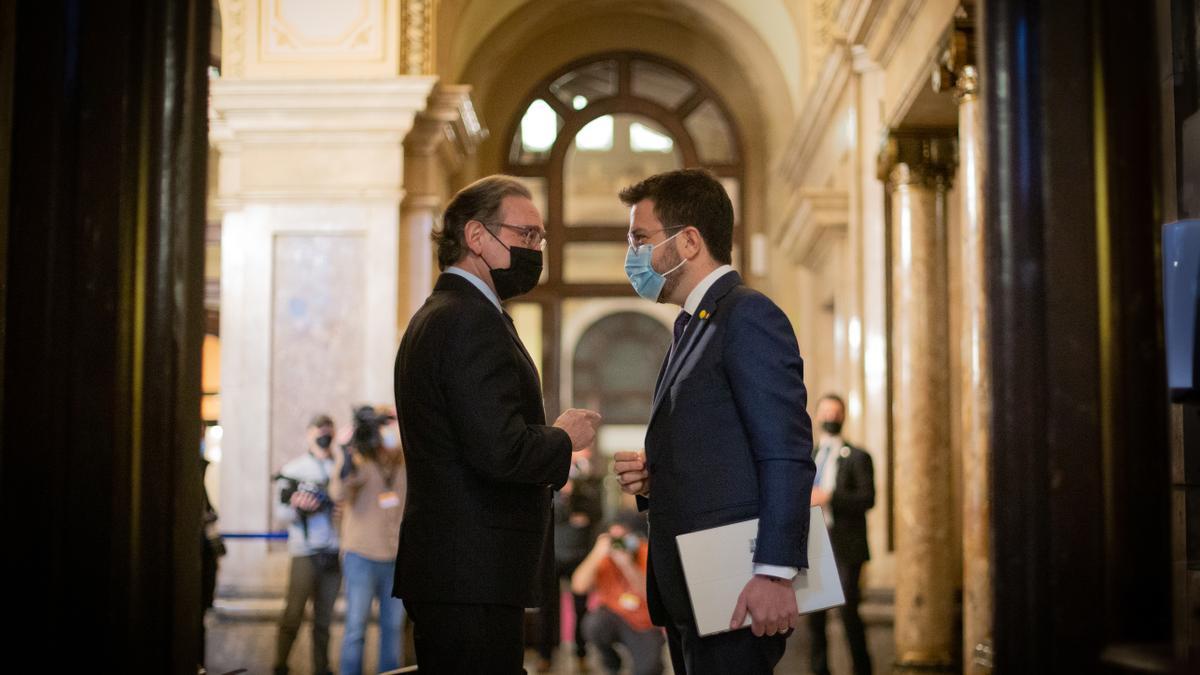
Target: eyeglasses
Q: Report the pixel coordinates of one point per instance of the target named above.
(641, 237)
(532, 237)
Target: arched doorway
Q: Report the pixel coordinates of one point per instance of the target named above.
(591, 128)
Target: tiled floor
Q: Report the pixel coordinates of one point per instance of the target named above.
(247, 641)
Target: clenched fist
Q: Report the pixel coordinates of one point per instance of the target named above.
(631, 471)
(580, 425)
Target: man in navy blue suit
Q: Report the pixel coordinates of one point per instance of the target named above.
(729, 438)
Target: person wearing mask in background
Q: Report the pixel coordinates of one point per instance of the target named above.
(845, 491)
(369, 481)
(304, 504)
(477, 545)
(577, 511)
(616, 570)
(729, 438)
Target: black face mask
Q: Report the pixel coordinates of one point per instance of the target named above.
(325, 441)
(832, 428)
(524, 270)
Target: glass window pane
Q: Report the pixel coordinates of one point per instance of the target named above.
(596, 135)
(659, 84)
(614, 364)
(592, 178)
(734, 188)
(596, 262)
(537, 188)
(714, 141)
(584, 85)
(644, 139)
(536, 134)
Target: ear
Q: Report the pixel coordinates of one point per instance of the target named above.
(693, 243)
(471, 235)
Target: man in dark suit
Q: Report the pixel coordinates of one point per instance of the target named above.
(728, 438)
(476, 534)
(845, 491)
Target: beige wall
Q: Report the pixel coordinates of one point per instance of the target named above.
(308, 119)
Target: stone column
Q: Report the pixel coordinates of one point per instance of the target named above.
(975, 383)
(443, 137)
(918, 169)
(310, 182)
(869, 208)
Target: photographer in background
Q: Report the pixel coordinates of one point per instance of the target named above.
(370, 482)
(616, 571)
(577, 511)
(304, 504)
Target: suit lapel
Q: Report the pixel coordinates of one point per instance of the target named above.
(452, 282)
(691, 336)
(512, 333)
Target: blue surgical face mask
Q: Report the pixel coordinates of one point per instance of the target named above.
(647, 282)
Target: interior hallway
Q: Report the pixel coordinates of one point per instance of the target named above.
(241, 634)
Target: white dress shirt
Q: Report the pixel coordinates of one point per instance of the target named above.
(478, 283)
(827, 467)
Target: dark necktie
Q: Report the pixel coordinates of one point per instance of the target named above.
(681, 322)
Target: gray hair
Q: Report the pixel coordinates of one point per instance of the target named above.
(478, 201)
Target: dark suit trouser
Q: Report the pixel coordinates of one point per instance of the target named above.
(468, 639)
(308, 579)
(737, 651)
(604, 629)
(856, 634)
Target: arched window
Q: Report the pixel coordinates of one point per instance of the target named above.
(616, 363)
(583, 134)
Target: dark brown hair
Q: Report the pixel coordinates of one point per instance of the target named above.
(690, 197)
(478, 201)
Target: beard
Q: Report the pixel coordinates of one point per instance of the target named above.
(671, 260)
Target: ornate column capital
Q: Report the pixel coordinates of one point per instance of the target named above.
(957, 68)
(927, 158)
(449, 125)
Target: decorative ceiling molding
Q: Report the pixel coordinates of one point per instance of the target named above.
(348, 30)
(298, 110)
(813, 125)
(818, 220)
(416, 41)
(448, 126)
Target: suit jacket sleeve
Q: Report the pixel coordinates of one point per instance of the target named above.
(484, 403)
(766, 375)
(860, 497)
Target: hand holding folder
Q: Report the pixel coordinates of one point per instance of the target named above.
(719, 562)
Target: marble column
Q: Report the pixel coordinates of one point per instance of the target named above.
(918, 170)
(444, 136)
(975, 383)
(870, 214)
(310, 180)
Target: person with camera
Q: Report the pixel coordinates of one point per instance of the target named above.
(369, 482)
(304, 504)
(577, 511)
(616, 571)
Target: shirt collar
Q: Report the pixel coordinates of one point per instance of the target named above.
(478, 283)
(831, 442)
(701, 289)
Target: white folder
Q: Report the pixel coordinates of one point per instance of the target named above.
(717, 564)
